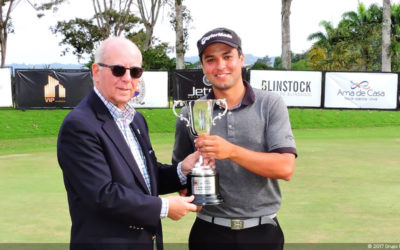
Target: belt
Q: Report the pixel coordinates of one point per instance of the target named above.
(238, 224)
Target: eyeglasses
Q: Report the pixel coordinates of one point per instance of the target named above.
(118, 70)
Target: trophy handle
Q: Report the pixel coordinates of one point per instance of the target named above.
(220, 115)
(180, 116)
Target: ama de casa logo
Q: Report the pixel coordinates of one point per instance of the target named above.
(360, 89)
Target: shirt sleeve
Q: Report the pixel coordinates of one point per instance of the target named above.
(164, 208)
(182, 177)
(279, 132)
(165, 203)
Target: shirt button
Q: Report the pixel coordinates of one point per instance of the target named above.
(229, 113)
(229, 126)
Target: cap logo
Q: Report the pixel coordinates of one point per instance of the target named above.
(220, 34)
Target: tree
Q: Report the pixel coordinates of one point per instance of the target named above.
(6, 27)
(112, 19)
(395, 38)
(265, 60)
(180, 19)
(285, 26)
(331, 51)
(84, 35)
(157, 58)
(298, 62)
(354, 45)
(364, 30)
(278, 62)
(386, 31)
(179, 38)
(42, 8)
(149, 18)
(260, 65)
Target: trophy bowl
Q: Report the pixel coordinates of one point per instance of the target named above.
(203, 179)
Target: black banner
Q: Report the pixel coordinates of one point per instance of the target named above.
(191, 84)
(51, 88)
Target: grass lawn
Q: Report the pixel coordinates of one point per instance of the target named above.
(345, 189)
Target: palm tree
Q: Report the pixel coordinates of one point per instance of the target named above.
(354, 45)
(285, 25)
(364, 27)
(180, 40)
(395, 37)
(331, 51)
(386, 30)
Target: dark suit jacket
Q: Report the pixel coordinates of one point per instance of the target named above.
(108, 199)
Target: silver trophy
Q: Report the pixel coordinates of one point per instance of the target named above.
(203, 179)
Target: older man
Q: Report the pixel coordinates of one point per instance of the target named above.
(110, 170)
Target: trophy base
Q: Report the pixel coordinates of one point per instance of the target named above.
(207, 199)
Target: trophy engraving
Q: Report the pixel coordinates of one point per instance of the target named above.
(203, 179)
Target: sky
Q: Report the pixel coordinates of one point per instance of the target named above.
(257, 22)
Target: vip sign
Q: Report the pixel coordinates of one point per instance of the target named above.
(54, 91)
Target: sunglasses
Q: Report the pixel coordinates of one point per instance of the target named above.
(118, 70)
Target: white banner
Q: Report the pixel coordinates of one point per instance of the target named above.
(297, 88)
(5, 87)
(361, 90)
(153, 90)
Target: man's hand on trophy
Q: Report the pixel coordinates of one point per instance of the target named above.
(183, 192)
(189, 162)
(180, 206)
(208, 162)
(214, 147)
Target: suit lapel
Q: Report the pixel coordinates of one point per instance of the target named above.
(115, 135)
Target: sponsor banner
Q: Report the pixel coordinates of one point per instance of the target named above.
(152, 90)
(51, 88)
(5, 88)
(191, 84)
(297, 88)
(361, 90)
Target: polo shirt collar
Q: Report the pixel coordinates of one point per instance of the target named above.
(248, 98)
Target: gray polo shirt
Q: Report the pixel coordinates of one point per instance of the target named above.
(259, 123)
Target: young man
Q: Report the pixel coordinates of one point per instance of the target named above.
(253, 147)
(110, 170)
